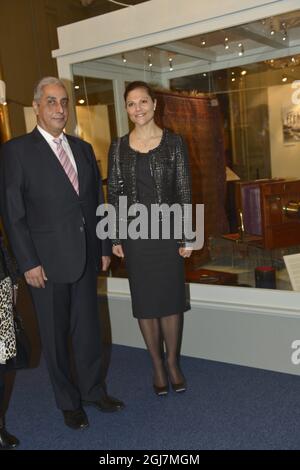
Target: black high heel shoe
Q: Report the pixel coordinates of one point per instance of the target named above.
(7, 441)
(180, 387)
(161, 391)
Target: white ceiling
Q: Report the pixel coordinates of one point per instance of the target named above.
(190, 56)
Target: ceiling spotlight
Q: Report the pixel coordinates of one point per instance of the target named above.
(243, 72)
(124, 58)
(293, 60)
(203, 42)
(171, 64)
(271, 25)
(284, 31)
(232, 73)
(81, 101)
(241, 51)
(272, 30)
(233, 79)
(226, 45)
(204, 74)
(150, 63)
(76, 87)
(284, 78)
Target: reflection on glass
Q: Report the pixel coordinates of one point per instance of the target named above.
(95, 111)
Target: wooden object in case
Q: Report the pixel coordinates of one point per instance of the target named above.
(262, 207)
(209, 276)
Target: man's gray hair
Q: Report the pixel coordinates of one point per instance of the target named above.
(38, 89)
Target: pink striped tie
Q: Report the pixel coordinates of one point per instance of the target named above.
(66, 164)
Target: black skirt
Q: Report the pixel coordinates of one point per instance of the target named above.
(156, 277)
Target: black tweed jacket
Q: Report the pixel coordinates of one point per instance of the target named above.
(169, 168)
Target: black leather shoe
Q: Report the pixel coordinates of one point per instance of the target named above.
(7, 441)
(107, 404)
(75, 419)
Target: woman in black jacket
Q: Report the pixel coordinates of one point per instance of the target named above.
(150, 166)
(8, 283)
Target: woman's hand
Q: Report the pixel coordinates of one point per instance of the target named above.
(105, 263)
(118, 251)
(185, 252)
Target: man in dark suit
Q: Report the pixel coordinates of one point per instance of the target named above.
(51, 188)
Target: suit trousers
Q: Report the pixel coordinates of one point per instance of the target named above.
(71, 311)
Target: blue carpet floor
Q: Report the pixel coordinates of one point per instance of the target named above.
(225, 407)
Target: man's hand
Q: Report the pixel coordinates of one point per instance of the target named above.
(36, 277)
(105, 263)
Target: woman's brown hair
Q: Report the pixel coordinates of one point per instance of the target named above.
(139, 84)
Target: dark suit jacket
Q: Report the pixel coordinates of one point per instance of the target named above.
(46, 221)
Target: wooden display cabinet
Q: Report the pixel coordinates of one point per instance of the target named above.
(269, 211)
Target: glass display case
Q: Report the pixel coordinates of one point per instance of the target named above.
(234, 94)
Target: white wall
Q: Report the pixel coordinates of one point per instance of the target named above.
(223, 325)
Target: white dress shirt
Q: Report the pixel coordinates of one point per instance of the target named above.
(49, 138)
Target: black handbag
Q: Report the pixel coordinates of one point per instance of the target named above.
(22, 359)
